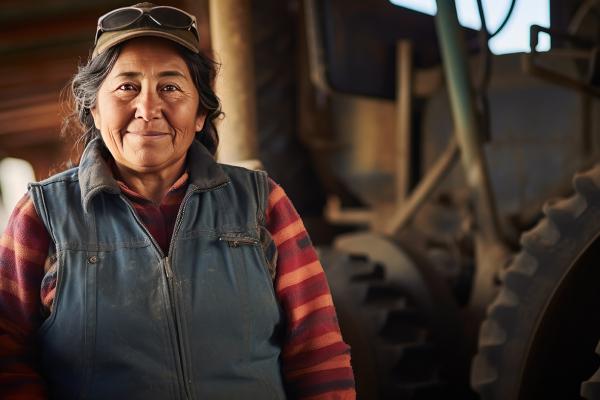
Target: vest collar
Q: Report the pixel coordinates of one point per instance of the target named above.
(96, 176)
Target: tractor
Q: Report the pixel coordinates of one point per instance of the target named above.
(453, 193)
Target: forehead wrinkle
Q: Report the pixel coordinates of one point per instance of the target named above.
(150, 58)
(171, 73)
(162, 74)
(129, 74)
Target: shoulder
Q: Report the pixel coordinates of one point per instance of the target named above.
(273, 190)
(276, 194)
(25, 221)
(253, 180)
(55, 192)
(235, 172)
(274, 199)
(24, 208)
(281, 215)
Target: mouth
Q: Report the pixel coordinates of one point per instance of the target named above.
(149, 134)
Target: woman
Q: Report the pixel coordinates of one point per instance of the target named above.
(151, 271)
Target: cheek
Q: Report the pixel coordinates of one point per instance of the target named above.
(115, 115)
(111, 138)
(183, 120)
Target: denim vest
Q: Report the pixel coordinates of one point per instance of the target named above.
(129, 322)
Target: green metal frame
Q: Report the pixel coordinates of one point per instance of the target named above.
(466, 121)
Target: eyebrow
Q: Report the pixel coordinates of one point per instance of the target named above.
(133, 74)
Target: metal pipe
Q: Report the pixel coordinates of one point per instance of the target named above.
(404, 90)
(465, 118)
(426, 186)
(231, 33)
(585, 53)
(548, 75)
(314, 40)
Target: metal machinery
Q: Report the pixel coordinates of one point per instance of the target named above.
(438, 290)
(454, 280)
(454, 273)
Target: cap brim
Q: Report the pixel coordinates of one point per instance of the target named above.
(109, 39)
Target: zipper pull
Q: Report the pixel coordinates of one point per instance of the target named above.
(230, 242)
(168, 269)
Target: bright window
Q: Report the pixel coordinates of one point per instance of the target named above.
(515, 35)
(15, 174)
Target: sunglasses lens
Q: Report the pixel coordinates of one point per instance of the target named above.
(171, 18)
(120, 19)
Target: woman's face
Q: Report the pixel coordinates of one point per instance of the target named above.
(146, 108)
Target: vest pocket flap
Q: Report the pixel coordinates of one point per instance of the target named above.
(235, 239)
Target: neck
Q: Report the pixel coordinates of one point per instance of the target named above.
(152, 185)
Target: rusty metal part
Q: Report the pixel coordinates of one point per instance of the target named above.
(587, 51)
(410, 322)
(368, 157)
(334, 213)
(231, 33)
(404, 93)
(422, 192)
(382, 250)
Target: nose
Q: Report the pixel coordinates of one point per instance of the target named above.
(148, 105)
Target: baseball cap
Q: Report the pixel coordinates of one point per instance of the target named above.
(146, 19)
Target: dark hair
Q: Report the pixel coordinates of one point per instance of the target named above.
(85, 83)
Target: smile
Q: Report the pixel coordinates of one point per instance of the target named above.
(149, 134)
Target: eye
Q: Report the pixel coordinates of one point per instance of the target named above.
(170, 88)
(127, 87)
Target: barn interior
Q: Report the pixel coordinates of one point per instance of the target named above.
(452, 192)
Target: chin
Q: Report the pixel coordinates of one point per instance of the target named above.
(150, 155)
(148, 165)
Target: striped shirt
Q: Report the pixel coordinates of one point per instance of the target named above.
(315, 359)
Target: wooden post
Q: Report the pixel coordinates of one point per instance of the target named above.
(231, 33)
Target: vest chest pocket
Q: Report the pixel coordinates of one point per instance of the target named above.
(237, 239)
(263, 242)
(251, 252)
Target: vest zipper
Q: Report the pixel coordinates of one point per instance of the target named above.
(177, 322)
(169, 273)
(171, 295)
(168, 270)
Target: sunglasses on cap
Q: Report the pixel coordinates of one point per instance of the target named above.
(127, 17)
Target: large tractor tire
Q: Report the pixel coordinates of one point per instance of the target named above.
(538, 339)
(403, 346)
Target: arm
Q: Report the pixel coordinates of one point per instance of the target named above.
(315, 359)
(23, 250)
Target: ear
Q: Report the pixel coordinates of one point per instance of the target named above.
(200, 119)
(96, 117)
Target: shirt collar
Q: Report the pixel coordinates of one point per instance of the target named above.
(95, 174)
(179, 185)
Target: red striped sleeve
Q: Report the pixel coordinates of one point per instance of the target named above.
(315, 359)
(23, 251)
